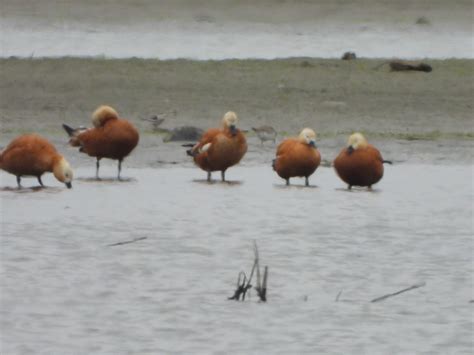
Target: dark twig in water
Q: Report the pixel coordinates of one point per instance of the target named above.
(127, 242)
(255, 250)
(399, 292)
(338, 295)
(241, 287)
(261, 287)
(244, 284)
(249, 286)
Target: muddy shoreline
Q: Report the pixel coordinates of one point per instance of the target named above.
(413, 117)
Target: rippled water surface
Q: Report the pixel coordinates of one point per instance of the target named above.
(210, 41)
(64, 290)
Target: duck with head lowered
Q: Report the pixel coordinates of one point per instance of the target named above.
(220, 148)
(297, 157)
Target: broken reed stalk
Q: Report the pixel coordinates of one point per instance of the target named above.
(249, 286)
(262, 289)
(241, 288)
(243, 284)
(127, 242)
(378, 299)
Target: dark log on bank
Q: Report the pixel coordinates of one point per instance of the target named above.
(405, 66)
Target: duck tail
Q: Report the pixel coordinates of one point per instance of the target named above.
(190, 151)
(73, 134)
(69, 130)
(273, 163)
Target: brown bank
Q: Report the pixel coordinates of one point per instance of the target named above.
(334, 97)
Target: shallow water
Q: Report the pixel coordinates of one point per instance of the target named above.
(65, 290)
(236, 29)
(210, 41)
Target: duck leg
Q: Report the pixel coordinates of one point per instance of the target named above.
(306, 181)
(223, 175)
(287, 182)
(349, 187)
(39, 180)
(18, 181)
(209, 176)
(119, 168)
(97, 165)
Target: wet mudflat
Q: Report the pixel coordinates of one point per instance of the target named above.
(65, 290)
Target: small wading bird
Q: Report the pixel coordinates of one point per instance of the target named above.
(111, 137)
(221, 148)
(359, 163)
(265, 133)
(297, 157)
(156, 120)
(33, 155)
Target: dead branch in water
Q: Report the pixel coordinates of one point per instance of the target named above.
(243, 284)
(127, 242)
(242, 287)
(398, 292)
(262, 289)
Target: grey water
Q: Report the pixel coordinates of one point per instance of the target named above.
(210, 41)
(236, 29)
(64, 290)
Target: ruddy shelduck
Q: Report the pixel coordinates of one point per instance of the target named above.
(359, 163)
(297, 157)
(33, 155)
(219, 149)
(111, 137)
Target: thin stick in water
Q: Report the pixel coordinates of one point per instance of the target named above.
(338, 295)
(378, 299)
(262, 292)
(127, 242)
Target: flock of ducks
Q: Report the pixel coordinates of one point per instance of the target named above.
(358, 164)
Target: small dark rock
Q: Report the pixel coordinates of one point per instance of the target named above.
(349, 56)
(422, 21)
(184, 133)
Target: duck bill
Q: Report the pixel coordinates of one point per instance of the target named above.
(68, 185)
(233, 130)
(350, 150)
(313, 144)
